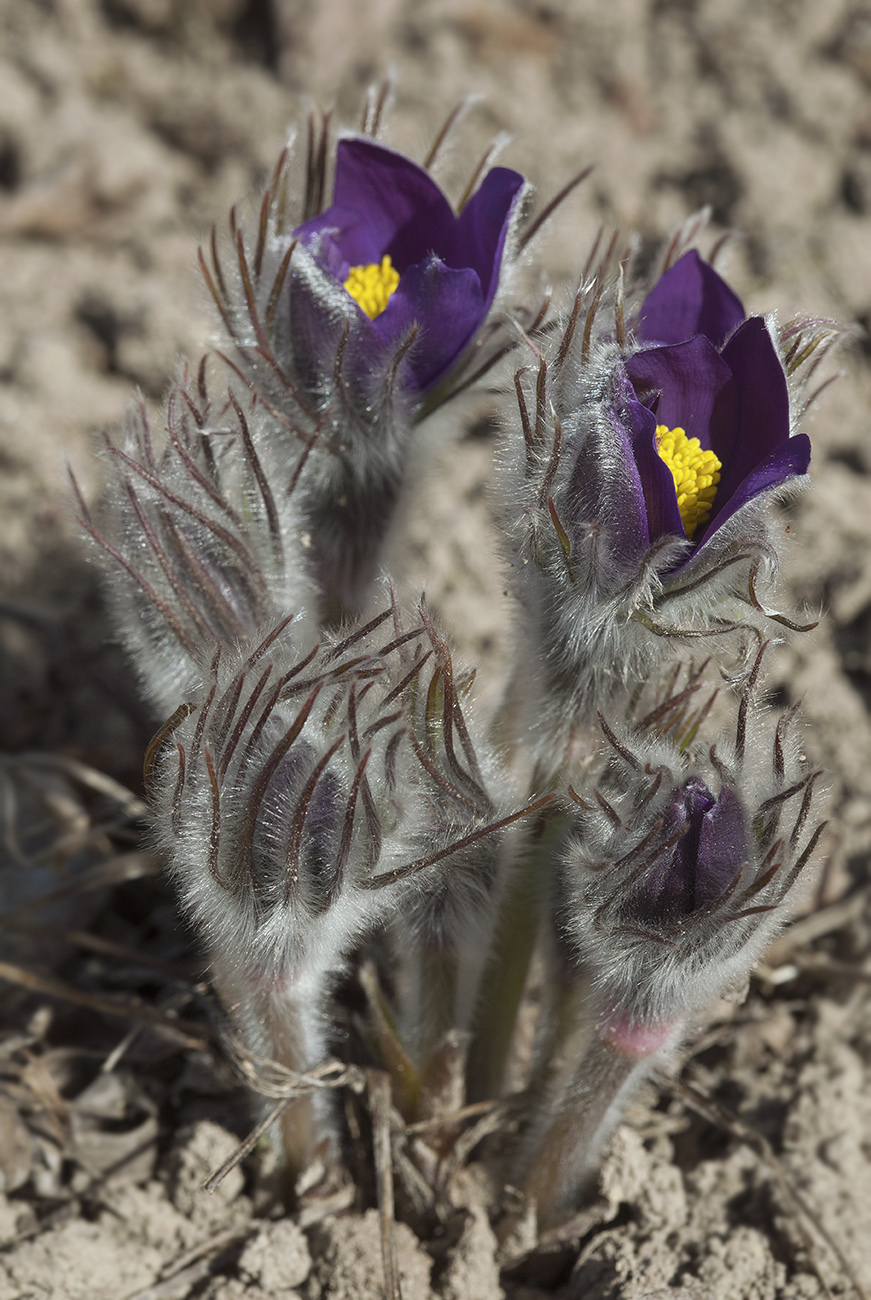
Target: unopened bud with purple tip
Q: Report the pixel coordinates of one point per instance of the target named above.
(683, 868)
(304, 800)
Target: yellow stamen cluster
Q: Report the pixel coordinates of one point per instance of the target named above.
(372, 285)
(696, 474)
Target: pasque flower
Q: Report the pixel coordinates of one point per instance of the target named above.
(688, 428)
(329, 806)
(392, 240)
(642, 490)
(707, 408)
(352, 319)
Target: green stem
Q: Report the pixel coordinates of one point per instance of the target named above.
(504, 979)
(435, 998)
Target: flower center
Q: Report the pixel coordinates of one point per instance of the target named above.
(696, 474)
(371, 286)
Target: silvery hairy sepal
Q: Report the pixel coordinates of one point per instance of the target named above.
(304, 799)
(351, 318)
(616, 565)
(199, 536)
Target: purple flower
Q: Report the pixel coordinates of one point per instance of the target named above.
(704, 424)
(392, 240)
(689, 299)
(696, 870)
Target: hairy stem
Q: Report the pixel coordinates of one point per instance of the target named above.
(567, 1146)
(284, 1025)
(433, 1010)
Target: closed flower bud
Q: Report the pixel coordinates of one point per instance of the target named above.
(683, 867)
(305, 799)
(199, 537)
(687, 862)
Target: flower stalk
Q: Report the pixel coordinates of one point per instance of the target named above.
(568, 1151)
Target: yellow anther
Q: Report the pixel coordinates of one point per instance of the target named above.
(372, 285)
(696, 474)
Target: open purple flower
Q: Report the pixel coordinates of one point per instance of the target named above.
(704, 424)
(736, 404)
(392, 240)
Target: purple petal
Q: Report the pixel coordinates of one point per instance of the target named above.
(761, 421)
(657, 480)
(340, 238)
(605, 493)
(482, 227)
(689, 299)
(687, 386)
(703, 863)
(788, 461)
(446, 304)
(668, 889)
(722, 846)
(383, 203)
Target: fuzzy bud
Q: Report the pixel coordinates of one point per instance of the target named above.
(305, 799)
(686, 863)
(681, 870)
(200, 538)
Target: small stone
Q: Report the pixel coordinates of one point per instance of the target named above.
(277, 1258)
